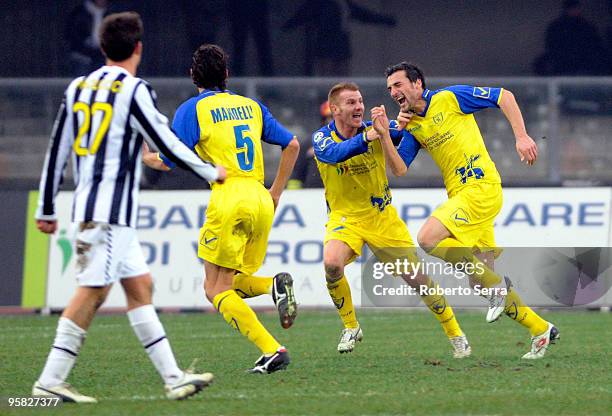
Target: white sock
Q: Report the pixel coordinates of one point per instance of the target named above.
(150, 332)
(68, 340)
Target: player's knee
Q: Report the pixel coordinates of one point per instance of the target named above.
(138, 291)
(98, 298)
(333, 271)
(427, 241)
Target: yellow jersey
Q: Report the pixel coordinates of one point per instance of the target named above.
(226, 129)
(448, 131)
(353, 170)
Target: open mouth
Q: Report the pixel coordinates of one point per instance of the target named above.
(401, 100)
(357, 116)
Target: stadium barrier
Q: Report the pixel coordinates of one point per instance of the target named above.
(169, 221)
(569, 117)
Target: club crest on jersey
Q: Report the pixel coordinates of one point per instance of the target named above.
(469, 170)
(209, 240)
(438, 118)
(481, 92)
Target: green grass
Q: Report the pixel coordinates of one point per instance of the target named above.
(404, 366)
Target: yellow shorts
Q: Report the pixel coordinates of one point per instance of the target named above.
(384, 232)
(470, 215)
(238, 221)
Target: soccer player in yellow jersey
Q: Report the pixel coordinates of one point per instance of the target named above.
(461, 229)
(227, 129)
(352, 156)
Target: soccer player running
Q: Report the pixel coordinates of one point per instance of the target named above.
(351, 156)
(101, 123)
(461, 229)
(227, 129)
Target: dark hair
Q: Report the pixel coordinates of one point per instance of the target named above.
(338, 88)
(412, 71)
(209, 67)
(119, 34)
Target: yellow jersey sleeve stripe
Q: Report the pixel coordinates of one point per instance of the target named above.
(501, 92)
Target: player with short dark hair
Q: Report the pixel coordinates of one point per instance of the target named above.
(119, 35)
(102, 122)
(461, 229)
(227, 128)
(352, 156)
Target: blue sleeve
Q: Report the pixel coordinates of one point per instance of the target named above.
(472, 99)
(327, 150)
(273, 131)
(185, 126)
(408, 148)
(395, 132)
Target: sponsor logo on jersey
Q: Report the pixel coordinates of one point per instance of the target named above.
(342, 169)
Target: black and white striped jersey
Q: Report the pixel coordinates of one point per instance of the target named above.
(102, 122)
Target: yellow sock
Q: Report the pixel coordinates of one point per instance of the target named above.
(247, 286)
(340, 292)
(239, 315)
(451, 251)
(523, 314)
(443, 312)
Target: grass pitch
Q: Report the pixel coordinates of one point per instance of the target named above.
(403, 366)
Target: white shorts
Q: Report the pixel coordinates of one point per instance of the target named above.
(107, 253)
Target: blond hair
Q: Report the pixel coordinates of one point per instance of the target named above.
(338, 88)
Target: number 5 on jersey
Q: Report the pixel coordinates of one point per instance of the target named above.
(88, 112)
(245, 151)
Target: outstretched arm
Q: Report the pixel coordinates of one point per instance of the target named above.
(525, 145)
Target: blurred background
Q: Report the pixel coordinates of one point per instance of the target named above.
(554, 55)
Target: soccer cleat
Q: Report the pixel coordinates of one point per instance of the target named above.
(348, 339)
(497, 303)
(64, 391)
(284, 299)
(271, 363)
(540, 343)
(188, 385)
(461, 346)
